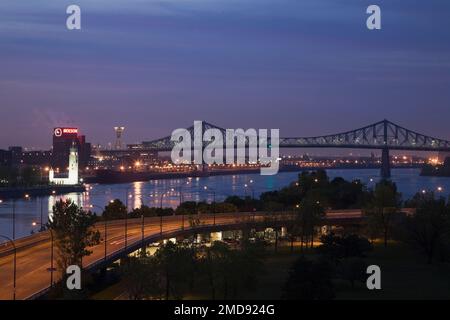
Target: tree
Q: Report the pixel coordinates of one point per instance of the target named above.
(142, 278)
(215, 262)
(143, 211)
(231, 271)
(337, 248)
(189, 207)
(173, 261)
(115, 210)
(245, 204)
(353, 269)
(309, 280)
(246, 266)
(223, 207)
(74, 233)
(309, 215)
(383, 207)
(429, 227)
(343, 194)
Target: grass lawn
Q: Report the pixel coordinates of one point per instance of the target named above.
(112, 292)
(404, 275)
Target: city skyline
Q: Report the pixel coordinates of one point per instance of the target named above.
(203, 152)
(306, 68)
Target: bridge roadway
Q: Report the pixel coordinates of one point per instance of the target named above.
(33, 252)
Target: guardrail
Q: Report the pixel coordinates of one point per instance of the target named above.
(206, 224)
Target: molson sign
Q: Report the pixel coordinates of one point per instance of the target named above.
(60, 132)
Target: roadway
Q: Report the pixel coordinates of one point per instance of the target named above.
(34, 252)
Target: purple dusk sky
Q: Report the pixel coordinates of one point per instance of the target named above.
(308, 67)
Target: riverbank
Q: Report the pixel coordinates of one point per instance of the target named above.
(39, 191)
(115, 177)
(435, 171)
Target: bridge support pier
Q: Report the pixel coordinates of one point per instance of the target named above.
(385, 163)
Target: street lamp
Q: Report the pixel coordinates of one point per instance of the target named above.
(142, 224)
(51, 251)
(128, 196)
(14, 217)
(214, 203)
(142, 232)
(42, 213)
(251, 189)
(163, 194)
(15, 263)
(105, 222)
(181, 201)
(161, 213)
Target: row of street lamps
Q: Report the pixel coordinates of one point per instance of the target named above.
(128, 196)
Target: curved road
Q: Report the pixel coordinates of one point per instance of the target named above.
(33, 252)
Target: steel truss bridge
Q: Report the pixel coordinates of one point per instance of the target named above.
(383, 135)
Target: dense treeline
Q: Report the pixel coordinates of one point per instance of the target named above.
(335, 194)
(177, 269)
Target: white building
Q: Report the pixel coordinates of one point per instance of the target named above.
(72, 177)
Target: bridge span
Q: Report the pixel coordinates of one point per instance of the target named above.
(383, 135)
(33, 273)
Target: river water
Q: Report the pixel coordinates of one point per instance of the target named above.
(167, 192)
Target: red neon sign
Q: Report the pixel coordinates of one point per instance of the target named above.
(58, 132)
(70, 130)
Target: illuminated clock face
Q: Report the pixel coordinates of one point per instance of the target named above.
(58, 132)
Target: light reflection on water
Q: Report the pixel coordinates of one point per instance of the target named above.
(167, 192)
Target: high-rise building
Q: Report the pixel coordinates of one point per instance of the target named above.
(63, 139)
(5, 158)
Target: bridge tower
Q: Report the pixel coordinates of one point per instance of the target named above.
(385, 163)
(119, 131)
